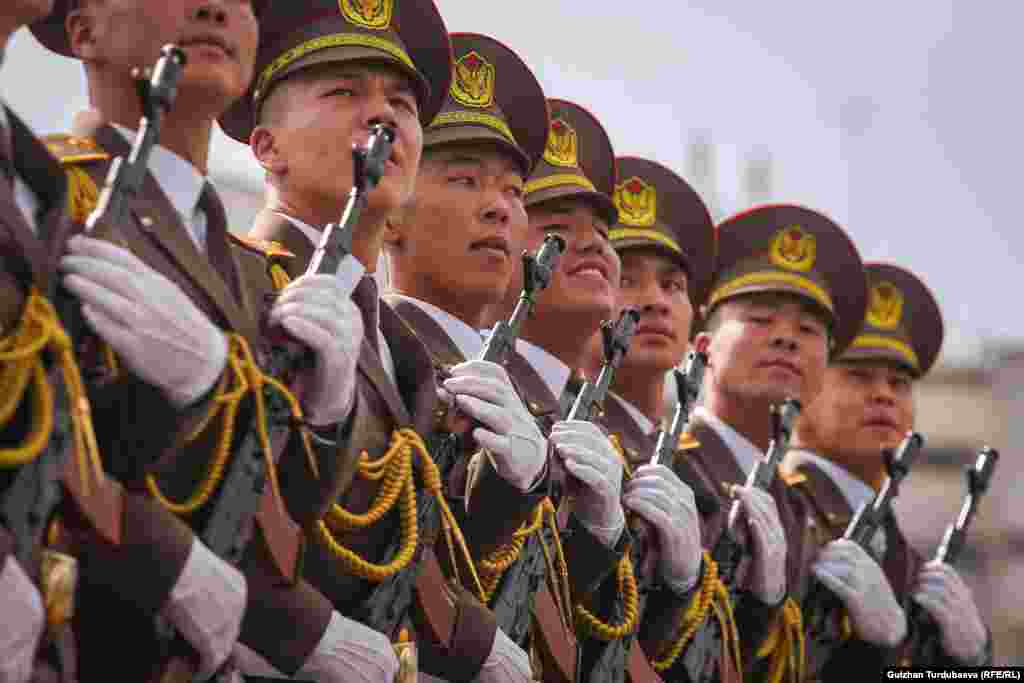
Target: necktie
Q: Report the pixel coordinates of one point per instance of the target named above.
(6, 155)
(216, 243)
(367, 300)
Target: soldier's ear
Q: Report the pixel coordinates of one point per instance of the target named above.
(80, 26)
(268, 155)
(702, 342)
(394, 228)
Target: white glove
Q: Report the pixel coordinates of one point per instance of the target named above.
(317, 310)
(507, 663)
(508, 431)
(152, 325)
(590, 457)
(206, 607)
(944, 595)
(849, 572)
(22, 607)
(656, 494)
(768, 581)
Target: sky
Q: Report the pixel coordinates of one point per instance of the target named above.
(901, 121)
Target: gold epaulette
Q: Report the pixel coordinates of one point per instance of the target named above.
(792, 478)
(268, 248)
(73, 149)
(687, 442)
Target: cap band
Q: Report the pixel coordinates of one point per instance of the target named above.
(635, 233)
(769, 277)
(875, 341)
(323, 42)
(474, 118)
(559, 179)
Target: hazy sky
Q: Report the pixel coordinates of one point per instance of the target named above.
(897, 119)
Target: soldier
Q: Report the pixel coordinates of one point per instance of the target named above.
(569, 194)
(452, 250)
(666, 241)
(179, 308)
(781, 300)
(867, 405)
(330, 71)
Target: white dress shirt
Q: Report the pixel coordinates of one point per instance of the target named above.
(350, 270)
(743, 450)
(182, 183)
(466, 339)
(854, 490)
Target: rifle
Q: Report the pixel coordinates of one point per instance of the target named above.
(869, 518)
(952, 546)
(730, 548)
(229, 527)
(613, 657)
(688, 384)
(157, 89)
(537, 272)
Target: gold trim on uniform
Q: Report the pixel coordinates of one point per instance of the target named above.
(561, 149)
(637, 202)
(375, 14)
(619, 234)
(794, 249)
(473, 81)
(558, 179)
(885, 306)
(471, 117)
(771, 277)
(323, 42)
(877, 341)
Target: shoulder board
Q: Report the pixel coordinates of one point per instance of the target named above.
(72, 149)
(687, 442)
(793, 478)
(265, 247)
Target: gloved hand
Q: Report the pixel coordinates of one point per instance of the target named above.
(768, 580)
(317, 310)
(657, 495)
(849, 572)
(155, 329)
(507, 663)
(589, 456)
(24, 619)
(350, 651)
(206, 606)
(944, 595)
(507, 430)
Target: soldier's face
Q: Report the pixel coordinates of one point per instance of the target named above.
(863, 407)
(461, 234)
(586, 281)
(316, 117)
(766, 347)
(219, 38)
(657, 286)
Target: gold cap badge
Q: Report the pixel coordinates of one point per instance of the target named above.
(793, 249)
(473, 84)
(375, 14)
(885, 306)
(562, 144)
(637, 202)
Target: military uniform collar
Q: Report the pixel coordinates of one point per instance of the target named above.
(854, 491)
(554, 372)
(744, 452)
(180, 180)
(465, 338)
(642, 421)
